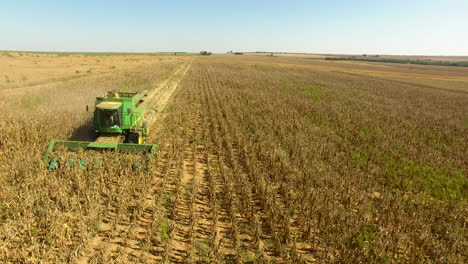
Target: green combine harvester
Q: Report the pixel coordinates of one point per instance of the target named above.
(118, 125)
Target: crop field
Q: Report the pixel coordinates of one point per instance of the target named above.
(261, 159)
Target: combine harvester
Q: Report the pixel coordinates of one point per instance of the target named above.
(118, 125)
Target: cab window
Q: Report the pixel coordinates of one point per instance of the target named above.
(109, 118)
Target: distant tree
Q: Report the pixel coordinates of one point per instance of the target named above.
(205, 53)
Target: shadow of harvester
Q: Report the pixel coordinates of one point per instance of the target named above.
(85, 132)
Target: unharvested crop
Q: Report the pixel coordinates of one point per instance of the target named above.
(262, 159)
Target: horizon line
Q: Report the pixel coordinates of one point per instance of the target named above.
(233, 51)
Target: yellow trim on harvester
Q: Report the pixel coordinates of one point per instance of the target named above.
(137, 120)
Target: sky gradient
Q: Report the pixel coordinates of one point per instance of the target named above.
(400, 27)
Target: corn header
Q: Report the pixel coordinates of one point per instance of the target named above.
(118, 125)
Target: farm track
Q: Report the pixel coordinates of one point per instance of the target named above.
(132, 232)
(159, 97)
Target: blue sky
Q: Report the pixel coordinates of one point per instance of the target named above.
(429, 27)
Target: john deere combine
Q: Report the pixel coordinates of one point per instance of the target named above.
(118, 125)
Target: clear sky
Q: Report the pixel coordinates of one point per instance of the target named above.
(411, 27)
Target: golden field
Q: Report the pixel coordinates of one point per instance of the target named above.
(282, 159)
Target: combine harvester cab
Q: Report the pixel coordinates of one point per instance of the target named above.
(118, 125)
